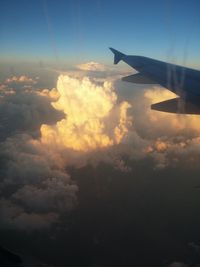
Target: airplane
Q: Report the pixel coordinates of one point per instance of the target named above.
(182, 81)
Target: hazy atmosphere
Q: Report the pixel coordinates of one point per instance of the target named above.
(89, 174)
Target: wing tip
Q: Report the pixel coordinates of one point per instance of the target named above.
(117, 55)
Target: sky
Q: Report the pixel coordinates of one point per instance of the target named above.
(74, 31)
(90, 175)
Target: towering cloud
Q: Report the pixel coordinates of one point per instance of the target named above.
(93, 118)
(91, 66)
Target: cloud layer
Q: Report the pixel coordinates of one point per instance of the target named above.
(42, 132)
(81, 120)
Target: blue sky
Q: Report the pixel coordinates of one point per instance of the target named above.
(81, 30)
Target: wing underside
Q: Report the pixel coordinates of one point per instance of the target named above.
(176, 105)
(138, 78)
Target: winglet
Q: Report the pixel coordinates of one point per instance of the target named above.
(117, 55)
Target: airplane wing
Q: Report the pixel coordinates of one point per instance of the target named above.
(176, 105)
(184, 82)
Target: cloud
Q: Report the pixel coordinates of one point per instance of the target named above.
(3, 87)
(53, 194)
(43, 131)
(25, 111)
(14, 217)
(169, 139)
(82, 120)
(23, 79)
(93, 119)
(96, 117)
(176, 123)
(91, 66)
(176, 136)
(41, 185)
(29, 168)
(120, 165)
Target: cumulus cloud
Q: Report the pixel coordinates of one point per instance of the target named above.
(170, 139)
(15, 217)
(93, 117)
(25, 111)
(175, 123)
(176, 136)
(33, 172)
(92, 66)
(42, 188)
(55, 194)
(79, 115)
(121, 166)
(21, 79)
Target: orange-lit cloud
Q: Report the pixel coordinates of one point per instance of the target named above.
(176, 122)
(172, 138)
(93, 118)
(92, 66)
(21, 79)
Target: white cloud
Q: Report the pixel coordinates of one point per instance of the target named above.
(91, 66)
(21, 79)
(43, 189)
(93, 119)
